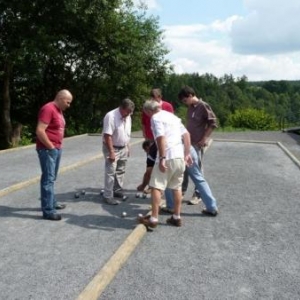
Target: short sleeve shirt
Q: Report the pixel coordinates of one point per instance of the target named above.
(118, 127)
(199, 117)
(170, 126)
(146, 119)
(50, 114)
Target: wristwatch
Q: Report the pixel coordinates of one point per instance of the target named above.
(162, 157)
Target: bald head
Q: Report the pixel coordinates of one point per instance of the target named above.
(63, 99)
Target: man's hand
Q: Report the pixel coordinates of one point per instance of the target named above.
(111, 156)
(188, 160)
(162, 165)
(203, 142)
(140, 188)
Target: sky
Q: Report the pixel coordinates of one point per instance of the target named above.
(259, 39)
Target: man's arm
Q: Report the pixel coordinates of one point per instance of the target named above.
(161, 152)
(211, 124)
(146, 179)
(204, 141)
(109, 146)
(161, 145)
(42, 135)
(187, 148)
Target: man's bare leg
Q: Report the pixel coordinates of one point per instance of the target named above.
(156, 199)
(177, 201)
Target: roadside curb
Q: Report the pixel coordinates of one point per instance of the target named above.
(288, 153)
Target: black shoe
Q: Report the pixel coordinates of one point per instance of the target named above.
(174, 222)
(119, 194)
(52, 217)
(60, 206)
(213, 213)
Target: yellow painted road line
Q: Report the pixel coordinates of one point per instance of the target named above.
(106, 274)
(31, 181)
(33, 145)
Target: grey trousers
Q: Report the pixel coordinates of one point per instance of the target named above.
(114, 171)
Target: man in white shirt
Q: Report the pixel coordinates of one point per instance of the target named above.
(116, 135)
(172, 156)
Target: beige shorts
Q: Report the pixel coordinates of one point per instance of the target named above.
(171, 178)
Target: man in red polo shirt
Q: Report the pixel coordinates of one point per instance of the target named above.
(156, 95)
(49, 136)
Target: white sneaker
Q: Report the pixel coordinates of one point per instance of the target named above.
(194, 201)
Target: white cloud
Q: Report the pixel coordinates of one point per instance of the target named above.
(224, 26)
(198, 47)
(194, 49)
(271, 27)
(263, 44)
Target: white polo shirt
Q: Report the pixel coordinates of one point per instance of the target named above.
(167, 124)
(118, 127)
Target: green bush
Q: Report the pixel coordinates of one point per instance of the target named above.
(253, 119)
(26, 136)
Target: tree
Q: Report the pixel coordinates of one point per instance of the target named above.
(101, 50)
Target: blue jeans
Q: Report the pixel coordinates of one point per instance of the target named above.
(201, 185)
(49, 161)
(169, 198)
(185, 183)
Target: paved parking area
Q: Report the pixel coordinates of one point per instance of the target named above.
(250, 251)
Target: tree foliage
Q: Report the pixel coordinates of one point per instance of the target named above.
(101, 50)
(273, 101)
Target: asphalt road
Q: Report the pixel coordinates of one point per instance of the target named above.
(250, 251)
